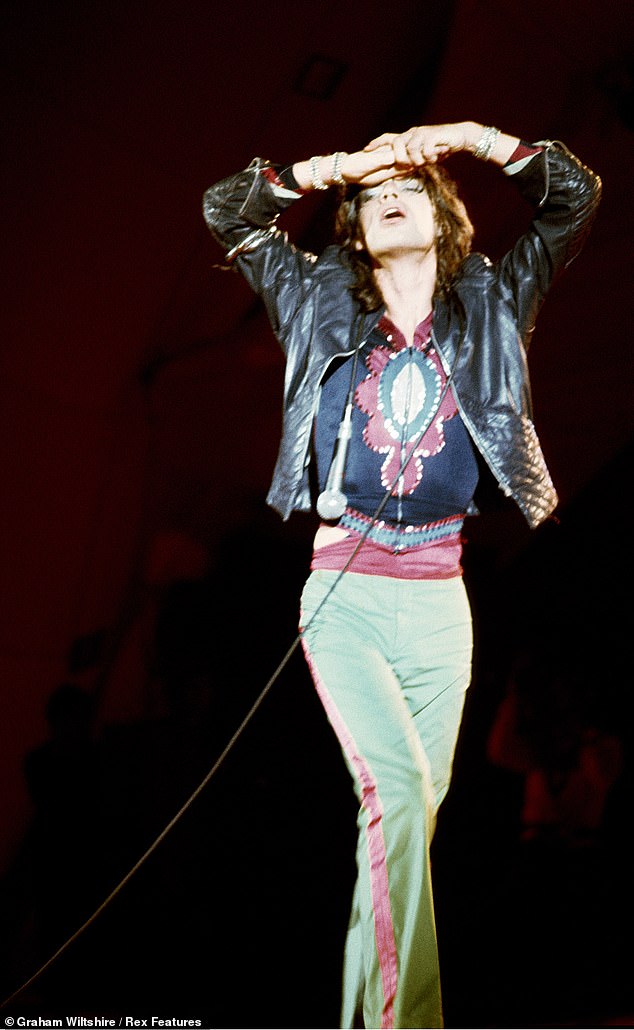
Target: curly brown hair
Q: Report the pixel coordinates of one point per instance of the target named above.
(454, 234)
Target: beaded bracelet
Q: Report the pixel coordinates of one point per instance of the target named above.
(317, 181)
(337, 162)
(486, 143)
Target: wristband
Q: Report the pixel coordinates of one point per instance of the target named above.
(316, 179)
(337, 162)
(486, 143)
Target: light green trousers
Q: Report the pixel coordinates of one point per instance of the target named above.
(391, 661)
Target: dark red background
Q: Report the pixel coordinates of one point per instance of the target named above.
(140, 406)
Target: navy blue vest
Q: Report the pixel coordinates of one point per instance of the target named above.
(396, 393)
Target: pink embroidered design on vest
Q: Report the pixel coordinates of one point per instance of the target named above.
(401, 395)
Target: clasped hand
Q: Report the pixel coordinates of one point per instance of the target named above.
(398, 154)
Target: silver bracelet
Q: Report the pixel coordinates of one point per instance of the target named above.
(337, 161)
(317, 181)
(486, 143)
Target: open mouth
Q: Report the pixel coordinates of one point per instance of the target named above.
(392, 213)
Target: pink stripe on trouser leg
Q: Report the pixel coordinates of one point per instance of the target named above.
(370, 804)
(392, 682)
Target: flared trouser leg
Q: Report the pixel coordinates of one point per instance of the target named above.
(391, 661)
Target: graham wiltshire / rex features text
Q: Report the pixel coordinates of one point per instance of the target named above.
(94, 1021)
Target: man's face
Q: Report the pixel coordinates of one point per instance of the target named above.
(396, 218)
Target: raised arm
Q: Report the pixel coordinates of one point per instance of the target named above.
(392, 154)
(242, 212)
(368, 167)
(562, 191)
(426, 144)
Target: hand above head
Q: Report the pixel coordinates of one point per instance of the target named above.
(394, 154)
(422, 144)
(426, 144)
(361, 167)
(371, 167)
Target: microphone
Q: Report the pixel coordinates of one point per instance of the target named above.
(332, 501)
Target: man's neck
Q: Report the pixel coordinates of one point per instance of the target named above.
(407, 286)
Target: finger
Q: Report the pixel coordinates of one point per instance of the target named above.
(382, 157)
(383, 153)
(380, 141)
(407, 148)
(423, 147)
(378, 177)
(381, 175)
(405, 154)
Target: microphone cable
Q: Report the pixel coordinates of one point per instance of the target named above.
(251, 712)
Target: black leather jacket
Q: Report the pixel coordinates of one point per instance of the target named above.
(482, 332)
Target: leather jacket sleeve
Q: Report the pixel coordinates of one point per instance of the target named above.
(241, 212)
(565, 195)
